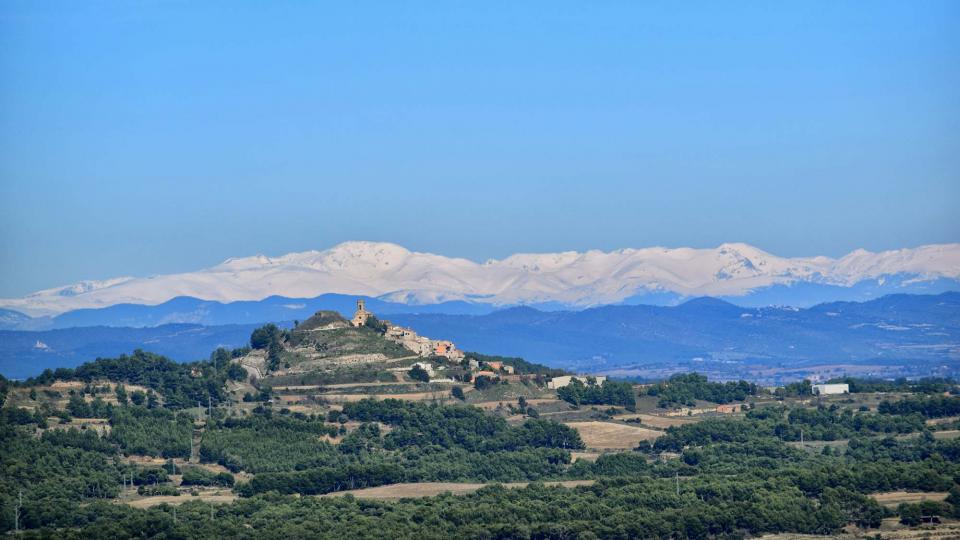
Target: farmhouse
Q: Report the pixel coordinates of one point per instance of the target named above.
(830, 389)
(729, 408)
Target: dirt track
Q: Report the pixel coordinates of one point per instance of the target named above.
(429, 489)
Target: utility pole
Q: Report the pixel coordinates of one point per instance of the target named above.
(16, 514)
(801, 437)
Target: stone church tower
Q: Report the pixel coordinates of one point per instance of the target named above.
(361, 315)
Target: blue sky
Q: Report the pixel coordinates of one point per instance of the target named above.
(153, 137)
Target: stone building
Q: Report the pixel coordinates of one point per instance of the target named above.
(361, 316)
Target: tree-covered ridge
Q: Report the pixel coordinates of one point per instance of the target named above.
(685, 388)
(180, 385)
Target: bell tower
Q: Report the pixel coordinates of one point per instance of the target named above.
(361, 315)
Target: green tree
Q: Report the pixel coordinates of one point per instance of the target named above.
(417, 373)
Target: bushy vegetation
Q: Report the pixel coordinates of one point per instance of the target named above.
(935, 406)
(417, 373)
(609, 393)
(929, 385)
(686, 388)
(151, 432)
(266, 443)
(180, 385)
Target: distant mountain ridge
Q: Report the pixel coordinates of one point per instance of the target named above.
(739, 272)
(911, 335)
(906, 335)
(186, 310)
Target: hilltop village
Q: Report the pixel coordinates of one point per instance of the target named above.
(440, 348)
(420, 345)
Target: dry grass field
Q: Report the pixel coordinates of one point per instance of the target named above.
(215, 497)
(491, 405)
(659, 422)
(430, 489)
(416, 396)
(893, 498)
(150, 461)
(610, 436)
(100, 425)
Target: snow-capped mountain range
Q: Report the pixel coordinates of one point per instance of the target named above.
(738, 272)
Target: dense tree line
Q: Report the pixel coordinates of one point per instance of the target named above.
(823, 424)
(265, 443)
(458, 426)
(609, 393)
(686, 388)
(152, 432)
(180, 385)
(935, 406)
(928, 385)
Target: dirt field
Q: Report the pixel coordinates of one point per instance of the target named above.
(150, 461)
(219, 497)
(610, 436)
(491, 405)
(893, 498)
(890, 530)
(588, 456)
(659, 422)
(100, 425)
(429, 489)
(417, 396)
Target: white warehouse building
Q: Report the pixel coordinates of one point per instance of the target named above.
(830, 389)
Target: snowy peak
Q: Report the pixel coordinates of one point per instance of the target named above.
(570, 278)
